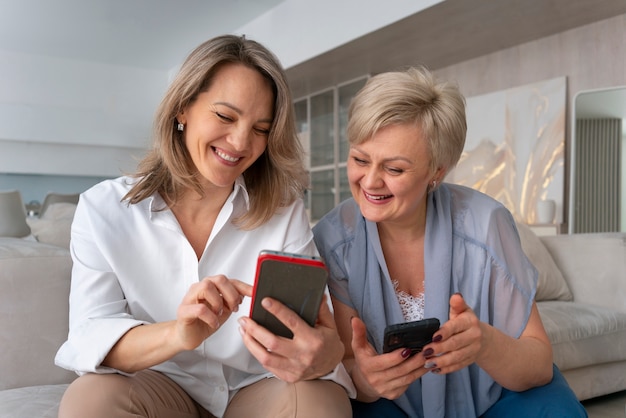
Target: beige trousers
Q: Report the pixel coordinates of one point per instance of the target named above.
(151, 394)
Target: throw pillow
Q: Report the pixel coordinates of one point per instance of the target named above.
(55, 226)
(13, 215)
(551, 284)
(61, 210)
(594, 264)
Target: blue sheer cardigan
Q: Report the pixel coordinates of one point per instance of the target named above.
(471, 246)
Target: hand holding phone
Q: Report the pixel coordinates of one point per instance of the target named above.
(413, 335)
(298, 281)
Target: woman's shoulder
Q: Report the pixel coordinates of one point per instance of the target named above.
(463, 196)
(476, 214)
(120, 185)
(339, 224)
(345, 216)
(107, 193)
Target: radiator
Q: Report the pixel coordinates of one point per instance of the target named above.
(597, 177)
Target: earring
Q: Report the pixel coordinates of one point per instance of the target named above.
(180, 127)
(434, 185)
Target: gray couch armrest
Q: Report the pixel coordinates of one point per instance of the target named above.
(34, 295)
(594, 266)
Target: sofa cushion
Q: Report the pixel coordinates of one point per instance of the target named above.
(34, 311)
(55, 224)
(583, 334)
(551, 284)
(12, 215)
(32, 401)
(594, 266)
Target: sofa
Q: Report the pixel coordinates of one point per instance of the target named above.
(581, 297)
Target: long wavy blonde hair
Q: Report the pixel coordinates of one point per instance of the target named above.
(275, 179)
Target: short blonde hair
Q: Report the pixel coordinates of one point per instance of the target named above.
(412, 96)
(275, 179)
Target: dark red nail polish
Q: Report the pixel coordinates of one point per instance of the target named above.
(437, 338)
(406, 352)
(428, 352)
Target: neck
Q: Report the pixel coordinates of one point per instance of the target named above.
(193, 206)
(408, 230)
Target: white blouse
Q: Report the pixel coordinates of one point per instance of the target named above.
(132, 265)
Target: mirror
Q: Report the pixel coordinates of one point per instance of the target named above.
(597, 194)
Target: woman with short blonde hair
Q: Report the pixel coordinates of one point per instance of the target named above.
(407, 247)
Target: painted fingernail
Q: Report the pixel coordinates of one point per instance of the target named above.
(430, 365)
(436, 371)
(406, 352)
(428, 352)
(437, 338)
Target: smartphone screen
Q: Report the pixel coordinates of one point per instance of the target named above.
(413, 335)
(296, 280)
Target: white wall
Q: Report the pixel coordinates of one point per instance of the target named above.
(298, 30)
(73, 117)
(76, 119)
(66, 125)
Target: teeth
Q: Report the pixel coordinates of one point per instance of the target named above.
(226, 156)
(369, 196)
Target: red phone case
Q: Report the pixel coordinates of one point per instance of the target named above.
(296, 280)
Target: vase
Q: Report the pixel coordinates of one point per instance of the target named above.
(546, 210)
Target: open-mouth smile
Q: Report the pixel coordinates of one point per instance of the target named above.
(226, 157)
(377, 197)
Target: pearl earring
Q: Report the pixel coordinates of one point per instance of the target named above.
(180, 127)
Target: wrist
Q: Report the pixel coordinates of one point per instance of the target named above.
(365, 392)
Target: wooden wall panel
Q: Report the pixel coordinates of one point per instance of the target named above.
(591, 56)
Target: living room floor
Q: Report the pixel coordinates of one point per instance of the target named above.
(609, 406)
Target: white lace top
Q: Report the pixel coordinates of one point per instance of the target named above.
(412, 306)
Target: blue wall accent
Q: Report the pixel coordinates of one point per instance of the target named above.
(36, 186)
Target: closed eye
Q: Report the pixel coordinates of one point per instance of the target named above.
(262, 131)
(359, 161)
(396, 171)
(224, 117)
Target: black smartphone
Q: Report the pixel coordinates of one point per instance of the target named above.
(296, 280)
(413, 335)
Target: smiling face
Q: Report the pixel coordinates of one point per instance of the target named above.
(389, 175)
(227, 126)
